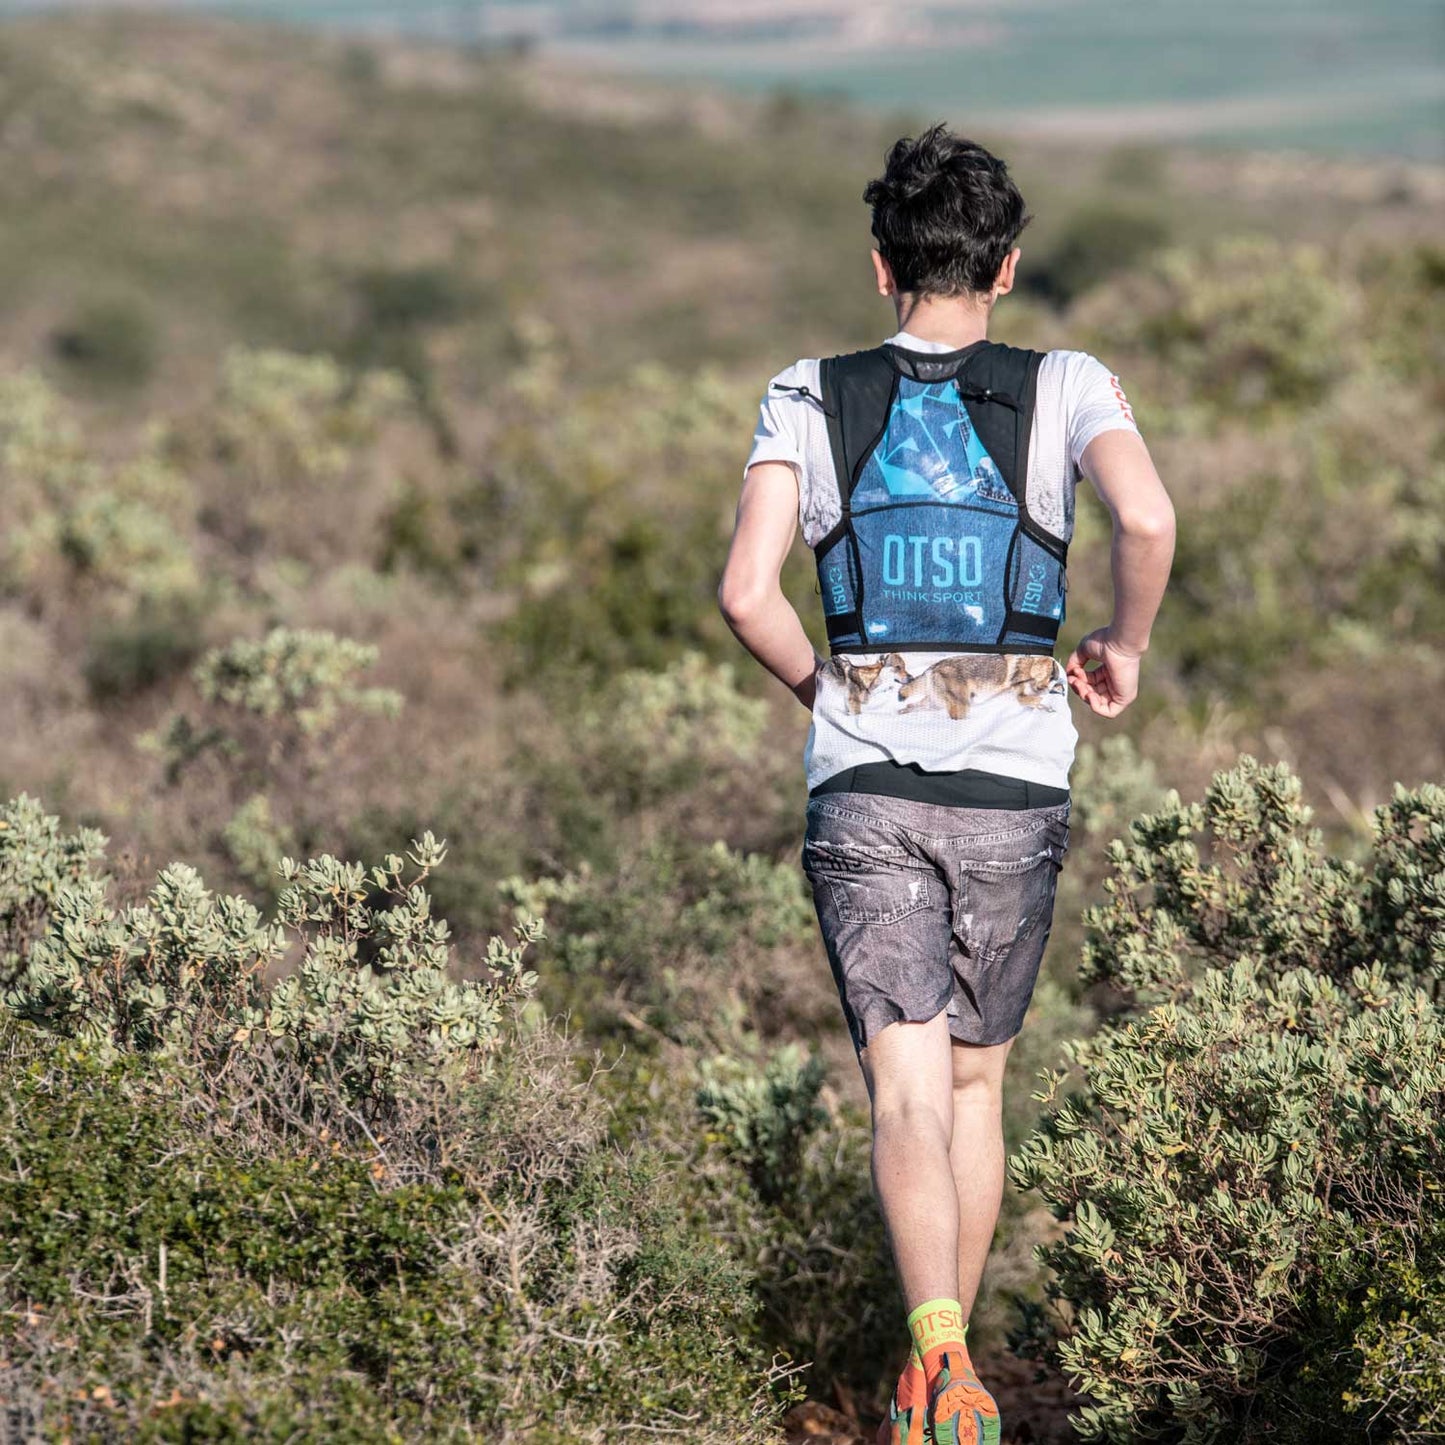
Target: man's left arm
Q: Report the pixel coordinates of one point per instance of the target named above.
(750, 594)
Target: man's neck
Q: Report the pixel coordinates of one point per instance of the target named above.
(954, 321)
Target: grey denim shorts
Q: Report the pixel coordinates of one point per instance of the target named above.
(925, 907)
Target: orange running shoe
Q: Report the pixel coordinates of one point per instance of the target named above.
(960, 1410)
(907, 1407)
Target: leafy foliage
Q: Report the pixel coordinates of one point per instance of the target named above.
(368, 1192)
(185, 1266)
(117, 535)
(1244, 326)
(639, 949)
(766, 1117)
(1280, 1076)
(367, 1006)
(286, 418)
(37, 862)
(784, 1169)
(274, 699)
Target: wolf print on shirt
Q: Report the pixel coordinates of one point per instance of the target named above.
(861, 680)
(956, 683)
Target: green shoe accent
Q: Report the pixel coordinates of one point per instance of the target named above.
(901, 1424)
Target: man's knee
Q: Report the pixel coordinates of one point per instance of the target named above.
(912, 1114)
(978, 1075)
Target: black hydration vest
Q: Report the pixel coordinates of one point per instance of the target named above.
(936, 550)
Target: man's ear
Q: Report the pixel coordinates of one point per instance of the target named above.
(1004, 281)
(883, 272)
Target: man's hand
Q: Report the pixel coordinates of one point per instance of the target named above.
(1119, 465)
(1114, 684)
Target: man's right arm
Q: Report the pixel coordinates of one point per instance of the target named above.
(1122, 472)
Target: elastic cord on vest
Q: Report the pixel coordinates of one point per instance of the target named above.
(803, 392)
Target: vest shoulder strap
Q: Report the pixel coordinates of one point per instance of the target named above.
(857, 393)
(858, 390)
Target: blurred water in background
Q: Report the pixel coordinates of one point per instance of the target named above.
(1326, 75)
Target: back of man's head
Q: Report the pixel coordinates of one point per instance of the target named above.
(945, 214)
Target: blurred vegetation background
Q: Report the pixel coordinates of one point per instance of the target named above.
(371, 423)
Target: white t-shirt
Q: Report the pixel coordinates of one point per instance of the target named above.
(1001, 713)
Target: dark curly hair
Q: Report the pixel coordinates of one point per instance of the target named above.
(945, 214)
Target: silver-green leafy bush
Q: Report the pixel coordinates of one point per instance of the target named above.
(649, 732)
(37, 861)
(1111, 783)
(76, 527)
(764, 1114)
(369, 1000)
(670, 939)
(286, 419)
(301, 674)
(1277, 1084)
(254, 839)
(273, 699)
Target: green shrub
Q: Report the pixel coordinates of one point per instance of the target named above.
(301, 675)
(1237, 329)
(111, 536)
(596, 493)
(37, 863)
(764, 1118)
(417, 532)
(367, 1005)
(490, 1265)
(275, 700)
(1111, 783)
(411, 297)
(1382, 1292)
(368, 1203)
(155, 641)
(789, 1189)
(1281, 1078)
(253, 840)
(1093, 244)
(649, 734)
(651, 753)
(657, 944)
(282, 419)
(1405, 289)
(636, 597)
(109, 342)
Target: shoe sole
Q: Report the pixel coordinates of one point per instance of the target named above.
(986, 1430)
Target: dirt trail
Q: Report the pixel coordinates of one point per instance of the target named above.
(1034, 1412)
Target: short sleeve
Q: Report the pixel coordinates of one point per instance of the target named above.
(1095, 403)
(781, 431)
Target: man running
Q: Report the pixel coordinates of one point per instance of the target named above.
(933, 477)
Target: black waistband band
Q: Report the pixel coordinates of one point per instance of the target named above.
(966, 788)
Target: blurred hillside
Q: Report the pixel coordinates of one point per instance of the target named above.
(174, 188)
(327, 363)
(1361, 77)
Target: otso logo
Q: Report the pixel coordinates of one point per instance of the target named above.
(954, 562)
(837, 588)
(1034, 588)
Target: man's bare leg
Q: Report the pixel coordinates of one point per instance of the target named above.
(910, 1076)
(977, 1156)
(915, 1081)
